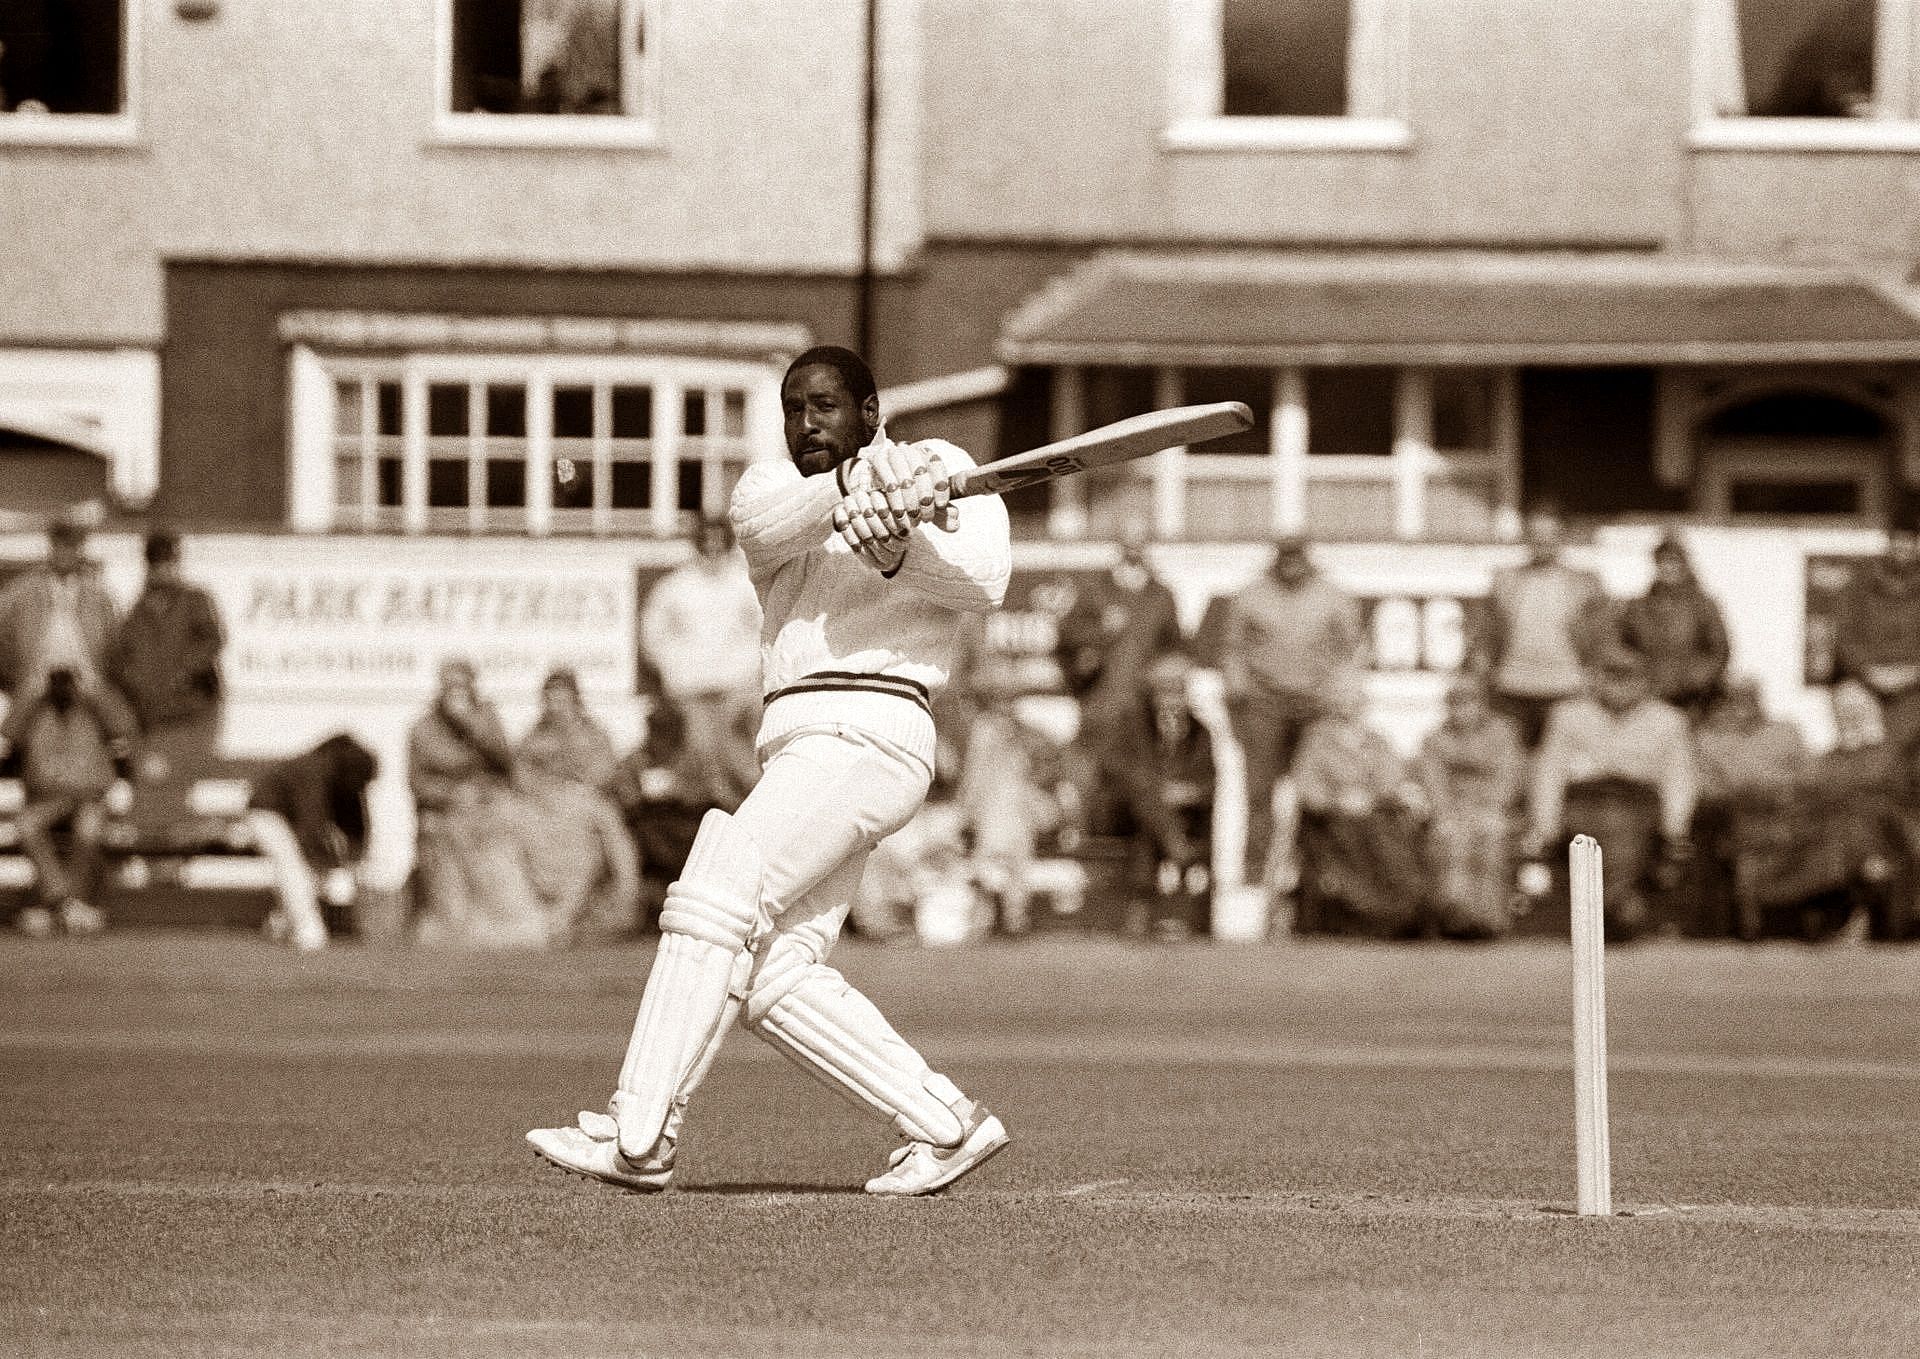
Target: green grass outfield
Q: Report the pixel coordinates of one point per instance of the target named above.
(211, 1147)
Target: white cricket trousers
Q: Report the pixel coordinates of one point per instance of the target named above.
(826, 797)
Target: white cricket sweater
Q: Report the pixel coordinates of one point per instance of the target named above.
(824, 608)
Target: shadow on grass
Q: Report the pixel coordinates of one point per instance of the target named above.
(771, 1187)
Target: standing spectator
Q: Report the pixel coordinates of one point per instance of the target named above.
(308, 815)
(1618, 765)
(700, 631)
(56, 615)
(165, 658)
(1470, 770)
(1543, 623)
(1116, 625)
(1361, 866)
(1288, 636)
(1677, 626)
(470, 864)
(579, 857)
(72, 737)
(1877, 635)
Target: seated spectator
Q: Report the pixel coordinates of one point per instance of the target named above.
(1750, 769)
(308, 816)
(579, 858)
(1617, 764)
(57, 615)
(1844, 842)
(71, 738)
(1677, 626)
(665, 785)
(1470, 771)
(470, 863)
(1361, 867)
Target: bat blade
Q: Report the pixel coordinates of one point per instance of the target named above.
(1119, 442)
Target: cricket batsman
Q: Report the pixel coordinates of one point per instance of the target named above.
(864, 566)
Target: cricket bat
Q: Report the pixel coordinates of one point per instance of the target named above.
(1121, 441)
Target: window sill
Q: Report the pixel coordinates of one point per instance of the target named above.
(109, 130)
(551, 132)
(1806, 134)
(1288, 134)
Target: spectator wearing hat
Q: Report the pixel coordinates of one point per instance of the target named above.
(1877, 635)
(1286, 638)
(1678, 627)
(1116, 626)
(56, 615)
(1617, 763)
(1543, 624)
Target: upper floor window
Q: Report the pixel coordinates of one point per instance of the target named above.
(64, 70)
(1280, 73)
(1808, 73)
(546, 71)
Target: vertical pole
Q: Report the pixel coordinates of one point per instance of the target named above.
(1592, 1152)
(869, 178)
(1067, 416)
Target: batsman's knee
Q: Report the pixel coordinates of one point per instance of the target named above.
(716, 899)
(777, 973)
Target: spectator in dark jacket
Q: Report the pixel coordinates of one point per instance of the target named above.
(1877, 635)
(1677, 626)
(72, 739)
(308, 815)
(165, 657)
(1116, 626)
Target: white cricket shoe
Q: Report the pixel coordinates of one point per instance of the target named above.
(923, 1168)
(79, 919)
(36, 922)
(592, 1148)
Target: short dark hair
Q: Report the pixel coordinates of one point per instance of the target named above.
(852, 368)
(163, 545)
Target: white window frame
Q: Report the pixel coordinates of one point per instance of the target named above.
(91, 129)
(635, 130)
(1894, 125)
(314, 437)
(1377, 78)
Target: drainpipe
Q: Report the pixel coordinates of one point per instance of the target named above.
(863, 327)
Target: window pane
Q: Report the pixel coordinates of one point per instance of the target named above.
(506, 483)
(507, 412)
(573, 412)
(1284, 58)
(346, 482)
(692, 478)
(1251, 385)
(693, 419)
(389, 481)
(1794, 497)
(388, 401)
(61, 57)
(1350, 411)
(572, 483)
(544, 56)
(346, 409)
(447, 483)
(633, 412)
(632, 486)
(1808, 59)
(733, 413)
(447, 409)
(1462, 410)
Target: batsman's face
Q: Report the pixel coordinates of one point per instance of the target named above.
(825, 425)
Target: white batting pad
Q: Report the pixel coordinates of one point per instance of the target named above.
(710, 914)
(811, 1013)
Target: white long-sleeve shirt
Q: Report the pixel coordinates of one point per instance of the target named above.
(826, 609)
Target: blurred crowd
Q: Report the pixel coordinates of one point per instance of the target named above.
(1097, 798)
